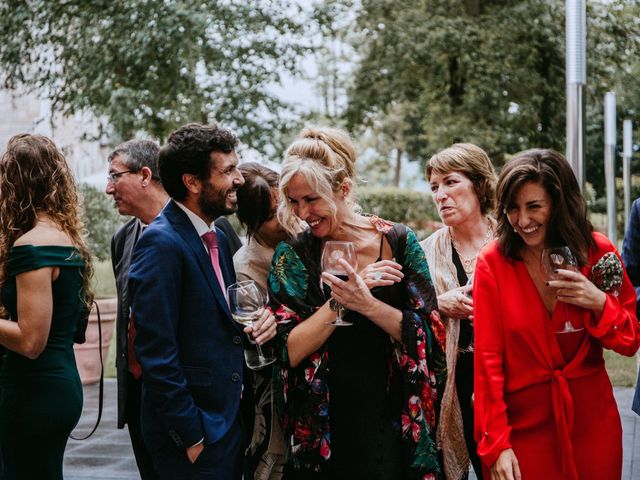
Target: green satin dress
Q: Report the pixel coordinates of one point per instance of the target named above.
(41, 399)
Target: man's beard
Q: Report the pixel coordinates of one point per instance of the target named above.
(213, 203)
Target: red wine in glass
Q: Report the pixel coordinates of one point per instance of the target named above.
(332, 253)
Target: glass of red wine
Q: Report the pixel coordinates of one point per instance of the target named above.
(332, 253)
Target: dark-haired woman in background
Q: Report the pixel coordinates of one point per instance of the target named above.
(45, 269)
(544, 405)
(257, 205)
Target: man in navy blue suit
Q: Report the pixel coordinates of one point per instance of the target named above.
(189, 347)
(631, 259)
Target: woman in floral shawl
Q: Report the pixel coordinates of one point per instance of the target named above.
(358, 401)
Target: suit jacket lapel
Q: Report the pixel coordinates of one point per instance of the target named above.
(130, 239)
(185, 229)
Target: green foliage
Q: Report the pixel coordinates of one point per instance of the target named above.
(100, 219)
(413, 208)
(157, 64)
(485, 71)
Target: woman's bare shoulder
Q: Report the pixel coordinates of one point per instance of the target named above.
(44, 233)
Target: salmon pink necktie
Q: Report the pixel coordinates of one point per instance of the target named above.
(211, 240)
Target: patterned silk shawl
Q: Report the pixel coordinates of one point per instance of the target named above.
(450, 433)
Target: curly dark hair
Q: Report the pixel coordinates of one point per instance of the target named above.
(188, 150)
(568, 224)
(36, 179)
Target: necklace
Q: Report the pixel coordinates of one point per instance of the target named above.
(467, 263)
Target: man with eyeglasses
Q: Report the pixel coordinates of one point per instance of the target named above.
(135, 186)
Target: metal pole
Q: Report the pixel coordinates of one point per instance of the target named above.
(627, 152)
(609, 162)
(576, 71)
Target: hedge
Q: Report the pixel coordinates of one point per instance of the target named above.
(413, 208)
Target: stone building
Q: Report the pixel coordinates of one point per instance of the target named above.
(76, 136)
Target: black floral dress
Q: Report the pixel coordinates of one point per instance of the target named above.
(363, 405)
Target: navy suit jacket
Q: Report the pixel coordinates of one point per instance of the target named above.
(189, 347)
(631, 259)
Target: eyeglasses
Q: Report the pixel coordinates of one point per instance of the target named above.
(113, 177)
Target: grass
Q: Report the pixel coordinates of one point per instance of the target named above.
(104, 283)
(110, 362)
(622, 370)
(104, 286)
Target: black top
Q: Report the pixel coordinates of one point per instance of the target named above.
(466, 330)
(368, 430)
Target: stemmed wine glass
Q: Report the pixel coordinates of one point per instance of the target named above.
(247, 304)
(469, 294)
(553, 259)
(332, 253)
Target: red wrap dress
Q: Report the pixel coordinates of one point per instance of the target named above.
(553, 404)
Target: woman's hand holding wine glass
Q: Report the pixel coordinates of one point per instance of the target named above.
(352, 293)
(576, 289)
(336, 257)
(561, 272)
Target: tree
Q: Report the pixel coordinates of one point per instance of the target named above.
(153, 65)
(484, 71)
(100, 219)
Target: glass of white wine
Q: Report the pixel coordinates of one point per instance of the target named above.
(559, 258)
(332, 253)
(247, 304)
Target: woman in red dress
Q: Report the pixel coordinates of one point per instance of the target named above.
(544, 405)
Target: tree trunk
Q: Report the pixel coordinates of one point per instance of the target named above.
(456, 82)
(396, 176)
(472, 7)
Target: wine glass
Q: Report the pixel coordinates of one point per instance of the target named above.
(469, 293)
(247, 305)
(332, 253)
(553, 259)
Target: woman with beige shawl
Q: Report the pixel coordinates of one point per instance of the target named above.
(462, 181)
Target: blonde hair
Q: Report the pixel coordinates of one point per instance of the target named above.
(326, 158)
(35, 179)
(474, 163)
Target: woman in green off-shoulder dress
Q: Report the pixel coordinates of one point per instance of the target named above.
(44, 273)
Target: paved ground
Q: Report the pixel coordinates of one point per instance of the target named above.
(107, 454)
